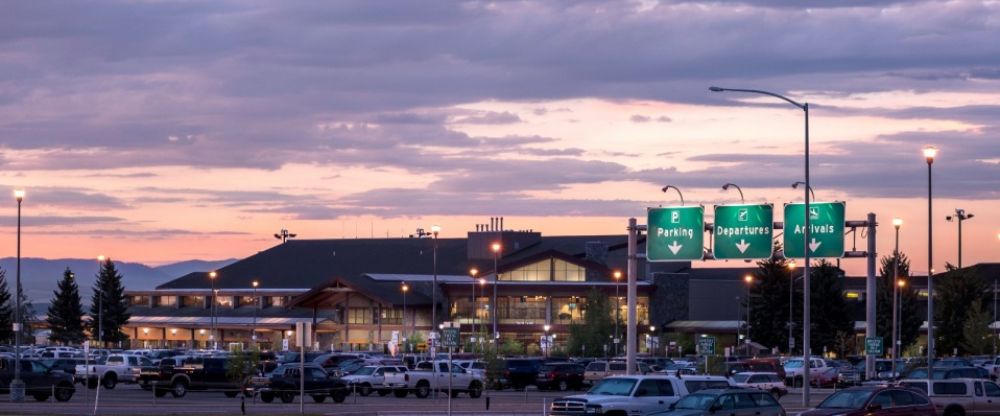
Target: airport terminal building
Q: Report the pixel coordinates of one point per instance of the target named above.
(361, 294)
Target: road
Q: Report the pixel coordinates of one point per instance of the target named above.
(130, 400)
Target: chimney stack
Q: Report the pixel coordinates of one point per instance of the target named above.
(501, 223)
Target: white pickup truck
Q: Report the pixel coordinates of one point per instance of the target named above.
(371, 378)
(423, 380)
(794, 371)
(116, 369)
(634, 395)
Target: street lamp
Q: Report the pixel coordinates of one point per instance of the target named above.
(728, 185)
(482, 291)
(618, 307)
(809, 188)
(548, 341)
(929, 153)
(405, 288)
(495, 247)
(749, 280)
(434, 306)
(791, 306)
(665, 188)
(896, 223)
(253, 336)
(806, 235)
(17, 385)
(960, 216)
(215, 299)
(473, 272)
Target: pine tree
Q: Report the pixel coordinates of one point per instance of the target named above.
(111, 309)
(830, 311)
(65, 315)
(769, 303)
(910, 318)
(976, 337)
(954, 291)
(594, 334)
(6, 312)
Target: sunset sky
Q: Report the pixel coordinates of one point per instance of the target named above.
(160, 131)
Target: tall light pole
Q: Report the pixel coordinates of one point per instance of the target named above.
(17, 385)
(896, 223)
(256, 303)
(805, 235)
(733, 185)
(900, 284)
(791, 306)
(618, 307)
(749, 280)
(679, 194)
(472, 273)
(434, 259)
(959, 217)
(215, 299)
(929, 153)
(482, 327)
(405, 289)
(495, 247)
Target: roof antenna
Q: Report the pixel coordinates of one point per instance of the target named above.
(284, 235)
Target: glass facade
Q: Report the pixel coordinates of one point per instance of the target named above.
(166, 301)
(522, 310)
(564, 271)
(567, 310)
(393, 316)
(192, 301)
(359, 316)
(140, 300)
(547, 270)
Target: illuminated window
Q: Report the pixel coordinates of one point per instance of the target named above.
(539, 271)
(193, 301)
(568, 272)
(140, 300)
(359, 316)
(166, 301)
(225, 301)
(277, 301)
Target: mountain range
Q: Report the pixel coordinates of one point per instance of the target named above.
(40, 277)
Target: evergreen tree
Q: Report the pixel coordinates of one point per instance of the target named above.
(954, 291)
(6, 312)
(910, 318)
(976, 337)
(111, 308)
(769, 303)
(829, 310)
(65, 315)
(590, 338)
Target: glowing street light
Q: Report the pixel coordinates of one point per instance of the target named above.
(17, 385)
(930, 152)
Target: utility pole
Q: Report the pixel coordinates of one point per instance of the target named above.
(870, 299)
(633, 268)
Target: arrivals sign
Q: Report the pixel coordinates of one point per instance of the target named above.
(826, 233)
(675, 234)
(743, 231)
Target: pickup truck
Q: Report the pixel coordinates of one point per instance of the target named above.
(38, 380)
(198, 374)
(118, 368)
(634, 395)
(423, 381)
(794, 371)
(371, 378)
(283, 383)
(959, 396)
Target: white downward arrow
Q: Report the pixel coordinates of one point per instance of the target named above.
(814, 245)
(742, 246)
(674, 248)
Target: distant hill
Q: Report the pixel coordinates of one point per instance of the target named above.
(41, 276)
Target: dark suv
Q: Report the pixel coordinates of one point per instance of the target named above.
(519, 372)
(560, 376)
(39, 380)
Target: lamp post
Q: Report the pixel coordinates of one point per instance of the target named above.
(215, 299)
(791, 306)
(665, 188)
(548, 341)
(959, 217)
(434, 306)
(405, 289)
(618, 307)
(728, 185)
(256, 303)
(749, 280)
(929, 153)
(481, 330)
(806, 235)
(496, 247)
(17, 385)
(473, 272)
(896, 223)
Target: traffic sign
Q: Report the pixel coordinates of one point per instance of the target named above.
(826, 233)
(706, 346)
(743, 231)
(675, 234)
(449, 337)
(874, 346)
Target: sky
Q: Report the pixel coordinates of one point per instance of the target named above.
(159, 131)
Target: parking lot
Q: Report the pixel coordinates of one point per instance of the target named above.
(131, 400)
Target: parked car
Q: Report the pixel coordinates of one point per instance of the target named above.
(874, 401)
(560, 377)
(598, 370)
(992, 365)
(725, 401)
(765, 365)
(283, 383)
(423, 381)
(198, 374)
(794, 371)
(118, 368)
(769, 382)
(519, 372)
(371, 378)
(633, 395)
(949, 373)
(66, 365)
(960, 397)
(38, 380)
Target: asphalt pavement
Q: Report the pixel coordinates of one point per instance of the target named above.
(131, 400)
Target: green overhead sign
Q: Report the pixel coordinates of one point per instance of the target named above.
(826, 230)
(675, 234)
(743, 231)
